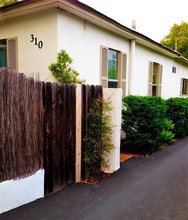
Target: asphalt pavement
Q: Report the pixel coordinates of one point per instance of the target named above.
(145, 188)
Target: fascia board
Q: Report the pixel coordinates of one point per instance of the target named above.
(89, 15)
(25, 9)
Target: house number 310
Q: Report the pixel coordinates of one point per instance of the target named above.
(36, 42)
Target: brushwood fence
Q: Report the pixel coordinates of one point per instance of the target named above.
(38, 128)
(21, 125)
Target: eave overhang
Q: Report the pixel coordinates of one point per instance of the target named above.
(90, 15)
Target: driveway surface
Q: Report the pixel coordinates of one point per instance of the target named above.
(146, 188)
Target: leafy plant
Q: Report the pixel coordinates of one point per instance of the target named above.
(143, 122)
(7, 2)
(166, 136)
(150, 122)
(98, 138)
(177, 111)
(63, 71)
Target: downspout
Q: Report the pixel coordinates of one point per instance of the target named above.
(131, 64)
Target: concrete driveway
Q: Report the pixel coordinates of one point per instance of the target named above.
(146, 188)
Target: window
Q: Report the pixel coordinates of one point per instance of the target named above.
(8, 57)
(113, 69)
(184, 87)
(174, 69)
(155, 79)
(3, 53)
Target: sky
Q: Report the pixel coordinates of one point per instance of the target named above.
(153, 18)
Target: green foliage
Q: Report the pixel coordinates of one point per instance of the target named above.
(150, 122)
(99, 136)
(178, 36)
(166, 136)
(62, 70)
(177, 112)
(7, 2)
(144, 123)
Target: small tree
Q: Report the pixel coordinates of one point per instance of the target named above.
(7, 2)
(62, 70)
(177, 39)
(98, 138)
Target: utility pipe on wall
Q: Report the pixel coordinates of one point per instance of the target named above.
(131, 64)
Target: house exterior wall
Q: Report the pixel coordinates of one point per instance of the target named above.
(82, 41)
(170, 81)
(31, 59)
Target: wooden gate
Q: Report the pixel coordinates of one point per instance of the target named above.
(60, 132)
(59, 136)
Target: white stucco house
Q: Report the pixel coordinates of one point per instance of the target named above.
(105, 52)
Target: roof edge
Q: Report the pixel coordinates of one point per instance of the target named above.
(80, 7)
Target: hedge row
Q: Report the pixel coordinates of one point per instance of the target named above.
(177, 111)
(150, 122)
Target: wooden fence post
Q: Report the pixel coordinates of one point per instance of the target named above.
(78, 132)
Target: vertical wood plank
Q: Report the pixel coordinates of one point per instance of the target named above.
(48, 135)
(73, 131)
(83, 128)
(78, 132)
(2, 155)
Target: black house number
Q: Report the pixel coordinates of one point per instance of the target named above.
(36, 42)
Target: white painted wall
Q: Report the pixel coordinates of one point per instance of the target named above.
(31, 59)
(82, 41)
(14, 193)
(60, 30)
(113, 159)
(170, 81)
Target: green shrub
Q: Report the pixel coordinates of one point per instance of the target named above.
(166, 136)
(62, 70)
(98, 138)
(177, 112)
(144, 122)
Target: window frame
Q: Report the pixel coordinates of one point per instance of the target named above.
(2, 45)
(12, 52)
(117, 68)
(184, 87)
(158, 83)
(121, 69)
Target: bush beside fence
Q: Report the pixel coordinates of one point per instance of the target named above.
(150, 122)
(143, 122)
